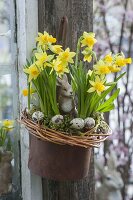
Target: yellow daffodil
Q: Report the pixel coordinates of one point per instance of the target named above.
(32, 71)
(60, 67)
(43, 59)
(128, 60)
(89, 73)
(25, 91)
(108, 58)
(8, 124)
(97, 85)
(114, 68)
(88, 58)
(88, 40)
(56, 49)
(87, 55)
(44, 39)
(51, 39)
(121, 61)
(101, 68)
(41, 56)
(66, 56)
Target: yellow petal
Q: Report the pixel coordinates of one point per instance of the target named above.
(92, 89)
(92, 83)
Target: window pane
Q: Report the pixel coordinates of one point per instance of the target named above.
(6, 111)
(9, 178)
(5, 33)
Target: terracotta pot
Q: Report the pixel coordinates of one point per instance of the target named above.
(58, 162)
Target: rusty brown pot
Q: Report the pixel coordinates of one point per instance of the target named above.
(58, 162)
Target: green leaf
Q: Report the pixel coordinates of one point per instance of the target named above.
(110, 83)
(107, 108)
(119, 77)
(106, 92)
(98, 99)
(109, 101)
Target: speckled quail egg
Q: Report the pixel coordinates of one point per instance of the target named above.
(77, 123)
(89, 123)
(57, 119)
(37, 116)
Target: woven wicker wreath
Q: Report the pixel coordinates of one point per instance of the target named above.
(87, 139)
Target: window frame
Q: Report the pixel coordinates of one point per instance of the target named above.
(27, 28)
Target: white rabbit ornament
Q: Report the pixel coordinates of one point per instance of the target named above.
(112, 182)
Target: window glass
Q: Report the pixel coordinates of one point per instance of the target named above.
(9, 144)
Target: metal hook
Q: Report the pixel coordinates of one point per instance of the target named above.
(63, 31)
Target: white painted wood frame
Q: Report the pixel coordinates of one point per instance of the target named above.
(27, 27)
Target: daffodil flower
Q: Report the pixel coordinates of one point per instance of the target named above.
(121, 61)
(101, 68)
(60, 67)
(66, 56)
(108, 58)
(44, 39)
(8, 124)
(89, 73)
(87, 54)
(25, 91)
(32, 71)
(97, 85)
(56, 49)
(43, 59)
(114, 68)
(88, 40)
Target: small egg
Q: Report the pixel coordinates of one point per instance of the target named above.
(89, 123)
(57, 119)
(37, 116)
(77, 123)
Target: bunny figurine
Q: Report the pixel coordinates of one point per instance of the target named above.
(5, 172)
(65, 97)
(112, 182)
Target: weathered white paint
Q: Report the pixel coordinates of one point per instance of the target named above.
(27, 21)
(5, 69)
(15, 96)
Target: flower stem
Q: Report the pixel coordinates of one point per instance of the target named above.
(77, 52)
(95, 56)
(28, 96)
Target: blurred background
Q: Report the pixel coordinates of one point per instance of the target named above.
(8, 91)
(113, 25)
(6, 108)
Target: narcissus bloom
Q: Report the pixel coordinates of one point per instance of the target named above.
(8, 124)
(60, 67)
(121, 61)
(89, 73)
(25, 91)
(114, 68)
(32, 71)
(108, 58)
(88, 40)
(101, 68)
(66, 56)
(44, 39)
(56, 49)
(87, 55)
(43, 59)
(97, 85)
